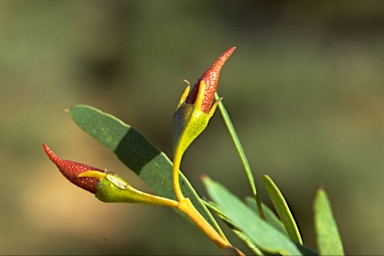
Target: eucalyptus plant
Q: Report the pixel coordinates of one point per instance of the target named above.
(252, 221)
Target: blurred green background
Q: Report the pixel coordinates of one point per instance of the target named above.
(304, 88)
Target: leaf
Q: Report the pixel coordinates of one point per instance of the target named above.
(265, 236)
(282, 209)
(269, 214)
(137, 153)
(215, 208)
(328, 238)
(241, 153)
(237, 143)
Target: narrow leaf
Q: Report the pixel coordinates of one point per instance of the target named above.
(137, 153)
(215, 208)
(265, 236)
(241, 153)
(328, 238)
(270, 216)
(282, 209)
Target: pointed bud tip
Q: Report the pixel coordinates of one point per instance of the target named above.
(48, 151)
(221, 60)
(211, 79)
(71, 170)
(228, 52)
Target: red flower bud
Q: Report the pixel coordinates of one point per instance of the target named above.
(211, 79)
(71, 170)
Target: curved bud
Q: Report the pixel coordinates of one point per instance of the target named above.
(107, 186)
(211, 79)
(71, 170)
(195, 107)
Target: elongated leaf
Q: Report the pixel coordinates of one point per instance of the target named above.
(265, 236)
(282, 209)
(269, 214)
(240, 151)
(251, 245)
(328, 238)
(137, 153)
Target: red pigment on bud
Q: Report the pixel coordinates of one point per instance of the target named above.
(71, 170)
(211, 79)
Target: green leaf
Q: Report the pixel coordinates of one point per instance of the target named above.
(328, 238)
(282, 209)
(137, 153)
(215, 208)
(241, 153)
(269, 214)
(265, 236)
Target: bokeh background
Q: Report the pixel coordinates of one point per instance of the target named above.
(304, 89)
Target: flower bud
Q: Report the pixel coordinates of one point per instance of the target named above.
(195, 107)
(211, 79)
(107, 186)
(71, 170)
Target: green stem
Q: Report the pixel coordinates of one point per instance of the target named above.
(188, 209)
(175, 175)
(240, 151)
(185, 205)
(145, 198)
(112, 188)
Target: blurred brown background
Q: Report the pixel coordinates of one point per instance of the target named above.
(304, 88)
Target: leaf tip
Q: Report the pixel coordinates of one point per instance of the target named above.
(66, 110)
(204, 177)
(320, 186)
